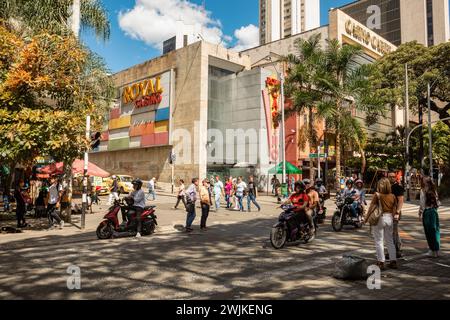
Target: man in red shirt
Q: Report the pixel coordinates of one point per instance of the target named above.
(300, 201)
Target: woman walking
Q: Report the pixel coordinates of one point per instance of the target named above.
(20, 205)
(382, 222)
(181, 194)
(205, 200)
(228, 190)
(429, 203)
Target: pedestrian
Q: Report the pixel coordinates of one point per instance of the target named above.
(151, 189)
(272, 182)
(382, 222)
(240, 193)
(53, 201)
(191, 198)
(277, 185)
(205, 201)
(181, 196)
(399, 192)
(235, 198)
(292, 184)
(6, 196)
(113, 191)
(20, 204)
(252, 194)
(228, 191)
(429, 203)
(218, 192)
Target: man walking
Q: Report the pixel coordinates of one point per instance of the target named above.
(151, 189)
(252, 194)
(52, 202)
(205, 201)
(398, 191)
(191, 198)
(218, 192)
(113, 191)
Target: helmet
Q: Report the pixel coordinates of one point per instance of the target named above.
(359, 181)
(306, 181)
(319, 182)
(299, 184)
(137, 182)
(349, 181)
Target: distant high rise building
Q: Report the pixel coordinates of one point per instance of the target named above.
(282, 18)
(426, 21)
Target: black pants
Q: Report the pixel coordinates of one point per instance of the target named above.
(205, 214)
(138, 211)
(20, 215)
(180, 198)
(52, 214)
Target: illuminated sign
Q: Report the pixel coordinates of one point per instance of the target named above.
(367, 37)
(144, 93)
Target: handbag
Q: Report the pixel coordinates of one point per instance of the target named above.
(374, 216)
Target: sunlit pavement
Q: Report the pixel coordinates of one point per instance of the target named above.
(232, 260)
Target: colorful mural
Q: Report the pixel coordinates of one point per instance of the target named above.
(141, 118)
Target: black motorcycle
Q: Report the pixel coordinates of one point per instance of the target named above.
(291, 228)
(343, 215)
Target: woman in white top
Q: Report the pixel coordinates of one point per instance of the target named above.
(181, 194)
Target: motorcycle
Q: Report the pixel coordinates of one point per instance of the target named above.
(109, 227)
(343, 215)
(289, 229)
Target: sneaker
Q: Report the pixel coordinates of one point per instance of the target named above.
(430, 254)
(138, 235)
(381, 265)
(61, 224)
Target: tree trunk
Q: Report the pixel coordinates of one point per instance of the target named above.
(67, 216)
(312, 142)
(363, 162)
(338, 158)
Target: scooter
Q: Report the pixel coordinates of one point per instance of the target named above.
(109, 227)
(343, 215)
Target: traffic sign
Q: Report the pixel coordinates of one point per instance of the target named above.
(314, 155)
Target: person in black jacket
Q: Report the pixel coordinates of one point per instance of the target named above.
(20, 205)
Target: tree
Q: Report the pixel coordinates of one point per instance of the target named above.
(36, 16)
(426, 65)
(48, 84)
(330, 82)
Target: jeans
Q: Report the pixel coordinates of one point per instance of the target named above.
(228, 200)
(113, 196)
(6, 202)
(353, 208)
(190, 208)
(138, 211)
(252, 198)
(52, 214)
(241, 205)
(397, 240)
(180, 198)
(205, 213)
(383, 233)
(151, 193)
(217, 198)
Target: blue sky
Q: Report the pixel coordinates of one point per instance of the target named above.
(122, 51)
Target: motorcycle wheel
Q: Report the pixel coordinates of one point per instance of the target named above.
(104, 231)
(278, 237)
(358, 225)
(336, 222)
(148, 229)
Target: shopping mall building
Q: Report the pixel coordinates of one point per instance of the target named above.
(214, 109)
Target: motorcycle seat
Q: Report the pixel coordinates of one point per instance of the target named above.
(149, 208)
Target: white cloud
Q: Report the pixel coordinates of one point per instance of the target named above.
(154, 21)
(247, 37)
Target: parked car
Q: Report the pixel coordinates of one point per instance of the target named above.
(124, 182)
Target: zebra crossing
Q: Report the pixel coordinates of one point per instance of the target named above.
(412, 208)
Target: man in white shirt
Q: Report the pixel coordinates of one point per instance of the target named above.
(218, 192)
(240, 192)
(151, 189)
(52, 202)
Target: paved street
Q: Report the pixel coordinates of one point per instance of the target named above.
(232, 260)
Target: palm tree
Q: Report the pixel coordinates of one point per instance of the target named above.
(34, 16)
(332, 85)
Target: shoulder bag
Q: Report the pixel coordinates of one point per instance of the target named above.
(374, 216)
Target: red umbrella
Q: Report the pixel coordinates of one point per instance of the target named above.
(77, 168)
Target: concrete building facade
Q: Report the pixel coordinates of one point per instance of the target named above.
(279, 19)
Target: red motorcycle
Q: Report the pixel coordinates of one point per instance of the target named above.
(110, 227)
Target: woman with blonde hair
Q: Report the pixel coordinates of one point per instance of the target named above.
(382, 222)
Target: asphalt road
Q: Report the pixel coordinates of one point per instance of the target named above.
(232, 260)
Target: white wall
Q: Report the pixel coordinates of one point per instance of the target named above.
(275, 20)
(312, 14)
(296, 17)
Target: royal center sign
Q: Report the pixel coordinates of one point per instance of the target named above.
(144, 93)
(367, 37)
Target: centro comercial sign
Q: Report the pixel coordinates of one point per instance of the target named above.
(367, 37)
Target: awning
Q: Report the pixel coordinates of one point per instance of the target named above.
(290, 169)
(77, 168)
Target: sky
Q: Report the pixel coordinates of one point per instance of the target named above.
(138, 27)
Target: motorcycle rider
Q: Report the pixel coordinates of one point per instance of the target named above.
(359, 184)
(300, 200)
(350, 191)
(314, 200)
(138, 206)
